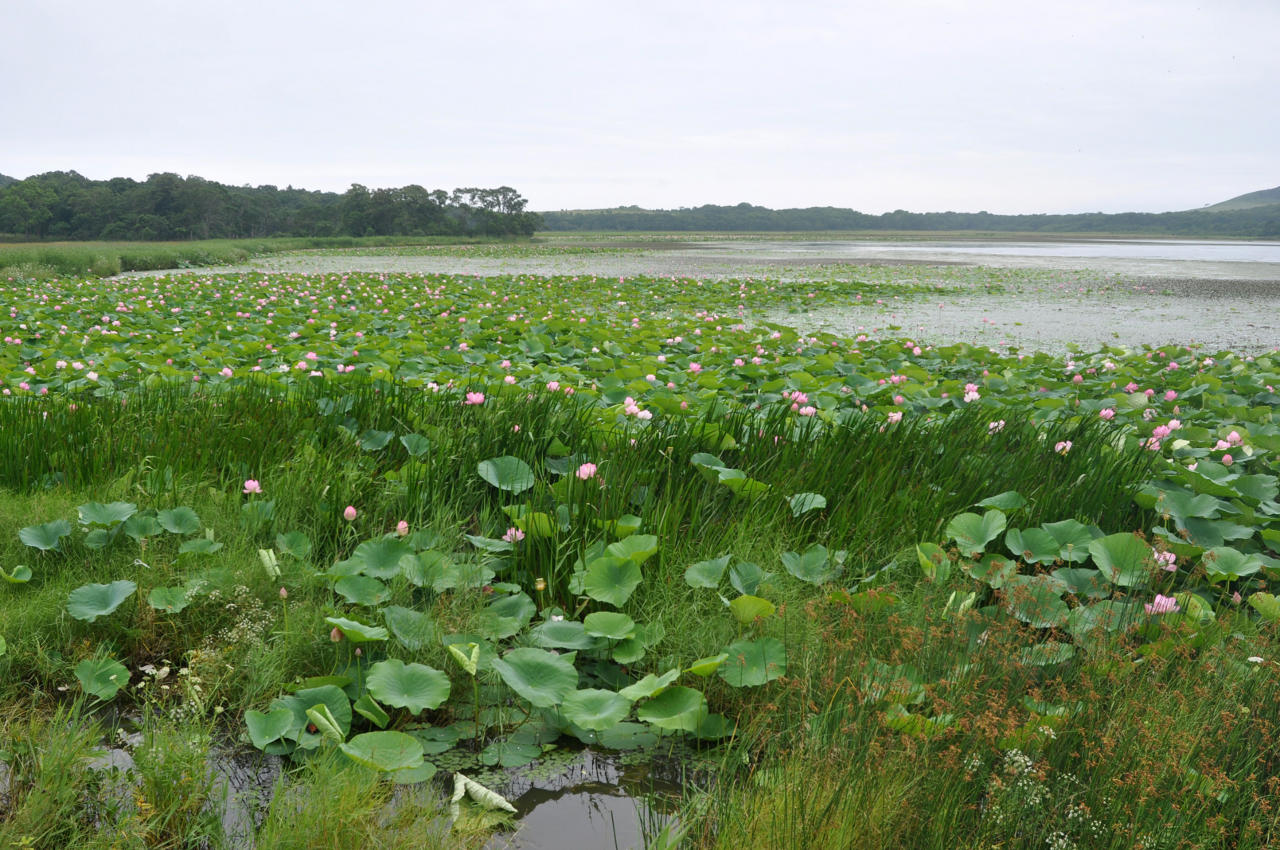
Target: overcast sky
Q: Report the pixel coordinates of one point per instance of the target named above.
(1008, 106)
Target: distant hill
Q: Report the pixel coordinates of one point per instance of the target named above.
(5, 180)
(1261, 221)
(1263, 198)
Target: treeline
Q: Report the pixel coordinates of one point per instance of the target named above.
(67, 205)
(1256, 222)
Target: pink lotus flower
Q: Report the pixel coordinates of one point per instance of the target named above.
(402, 528)
(1063, 447)
(695, 367)
(895, 417)
(1107, 413)
(513, 535)
(1226, 460)
(251, 486)
(1162, 605)
(1166, 561)
(350, 513)
(586, 471)
(474, 398)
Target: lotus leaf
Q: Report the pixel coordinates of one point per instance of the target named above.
(707, 573)
(45, 537)
(595, 709)
(506, 473)
(677, 708)
(1124, 559)
(611, 579)
(752, 663)
(91, 601)
(181, 520)
(538, 676)
(415, 687)
(102, 677)
(802, 503)
(385, 751)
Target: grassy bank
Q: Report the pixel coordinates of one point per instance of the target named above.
(43, 260)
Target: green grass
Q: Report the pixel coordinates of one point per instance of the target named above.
(43, 260)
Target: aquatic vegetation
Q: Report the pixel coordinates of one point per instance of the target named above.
(406, 523)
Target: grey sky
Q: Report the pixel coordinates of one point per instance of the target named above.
(1008, 106)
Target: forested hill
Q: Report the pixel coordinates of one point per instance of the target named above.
(1261, 221)
(5, 180)
(67, 205)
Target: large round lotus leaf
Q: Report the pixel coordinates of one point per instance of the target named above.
(413, 629)
(171, 600)
(1037, 600)
(1226, 564)
(611, 579)
(802, 503)
(384, 750)
(814, 566)
(609, 624)
(199, 546)
(1009, 500)
(562, 634)
(595, 709)
(1033, 545)
(380, 558)
(375, 441)
(1110, 615)
(415, 444)
(1125, 559)
(142, 525)
(747, 577)
(463, 576)
(1267, 605)
(637, 548)
(102, 677)
(91, 601)
(625, 736)
(746, 609)
(506, 473)
(754, 662)
(361, 590)
(972, 533)
(993, 569)
(267, 727)
(293, 543)
(45, 537)
(413, 686)
(357, 632)
(650, 685)
(181, 520)
(706, 666)
(425, 568)
(114, 513)
(707, 573)
(1086, 584)
(677, 708)
(535, 674)
(1073, 539)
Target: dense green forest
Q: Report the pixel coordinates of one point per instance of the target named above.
(1262, 221)
(67, 205)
